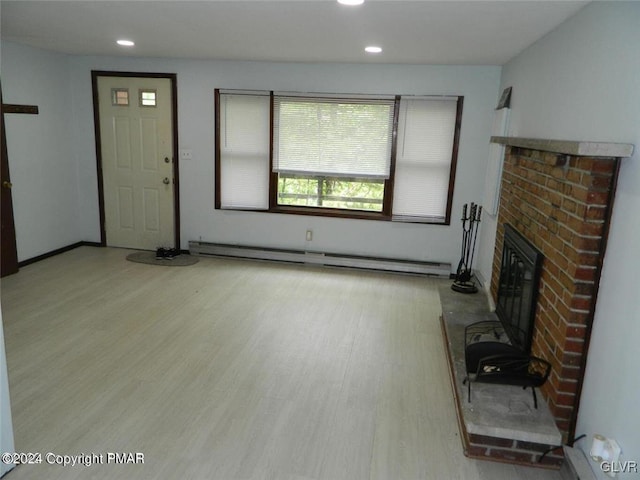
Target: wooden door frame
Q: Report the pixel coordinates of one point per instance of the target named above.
(9, 260)
(174, 129)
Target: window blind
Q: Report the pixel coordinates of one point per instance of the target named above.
(426, 130)
(244, 150)
(334, 137)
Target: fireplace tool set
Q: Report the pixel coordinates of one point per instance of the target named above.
(463, 282)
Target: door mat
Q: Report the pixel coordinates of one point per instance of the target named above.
(150, 259)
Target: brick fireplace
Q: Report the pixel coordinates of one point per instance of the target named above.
(559, 196)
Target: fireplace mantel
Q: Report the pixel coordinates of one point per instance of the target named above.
(569, 147)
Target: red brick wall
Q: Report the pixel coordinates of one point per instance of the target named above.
(559, 203)
(512, 451)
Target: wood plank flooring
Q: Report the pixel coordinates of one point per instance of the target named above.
(232, 370)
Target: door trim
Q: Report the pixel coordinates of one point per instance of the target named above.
(9, 260)
(174, 127)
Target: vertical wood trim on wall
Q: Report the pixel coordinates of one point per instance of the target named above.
(387, 207)
(98, 140)
(9, 260)
(454, 160)
(176, 158)
(273, 176)
(216, 172)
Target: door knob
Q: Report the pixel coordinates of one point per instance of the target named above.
(7, 184)
(166, 181)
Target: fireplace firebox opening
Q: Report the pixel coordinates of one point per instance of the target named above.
(499, 351)
(518, 288)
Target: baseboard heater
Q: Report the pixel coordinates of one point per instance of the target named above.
(319, 258)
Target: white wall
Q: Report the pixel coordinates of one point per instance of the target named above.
(196, 83)
(42, 167)
(53, 161)
(582, 82)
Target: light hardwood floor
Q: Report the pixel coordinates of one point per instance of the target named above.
(230, 370)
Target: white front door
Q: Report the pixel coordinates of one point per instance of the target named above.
(137, 161)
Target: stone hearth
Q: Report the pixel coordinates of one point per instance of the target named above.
(500, 422)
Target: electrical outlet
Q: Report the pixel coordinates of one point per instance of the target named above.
(309, 235)
(606, 452)
(186, 154)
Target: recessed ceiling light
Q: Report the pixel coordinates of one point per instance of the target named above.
(351, 2)
(372, 49)
(125, 43)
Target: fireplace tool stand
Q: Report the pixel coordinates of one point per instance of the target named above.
(463, 282)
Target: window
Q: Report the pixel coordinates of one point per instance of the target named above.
(426, 130)
(120, 97)
(379, 157)
(331, 152)
(147, 98)
(244, 151)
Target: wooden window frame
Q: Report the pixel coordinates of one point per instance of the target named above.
(387, 203)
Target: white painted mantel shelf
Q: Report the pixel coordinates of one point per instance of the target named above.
(569, 147)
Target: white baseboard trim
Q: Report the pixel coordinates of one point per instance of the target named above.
(321, 258)
(575, 466)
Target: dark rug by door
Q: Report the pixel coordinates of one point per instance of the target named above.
(150, 259)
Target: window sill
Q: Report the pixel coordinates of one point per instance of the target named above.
(347, 214)
(331, 212)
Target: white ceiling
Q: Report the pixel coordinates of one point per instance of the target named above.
(412, 32)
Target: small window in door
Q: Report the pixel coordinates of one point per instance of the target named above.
(120, 97)
(147, 98)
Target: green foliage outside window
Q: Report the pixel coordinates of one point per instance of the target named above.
(331, 192)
